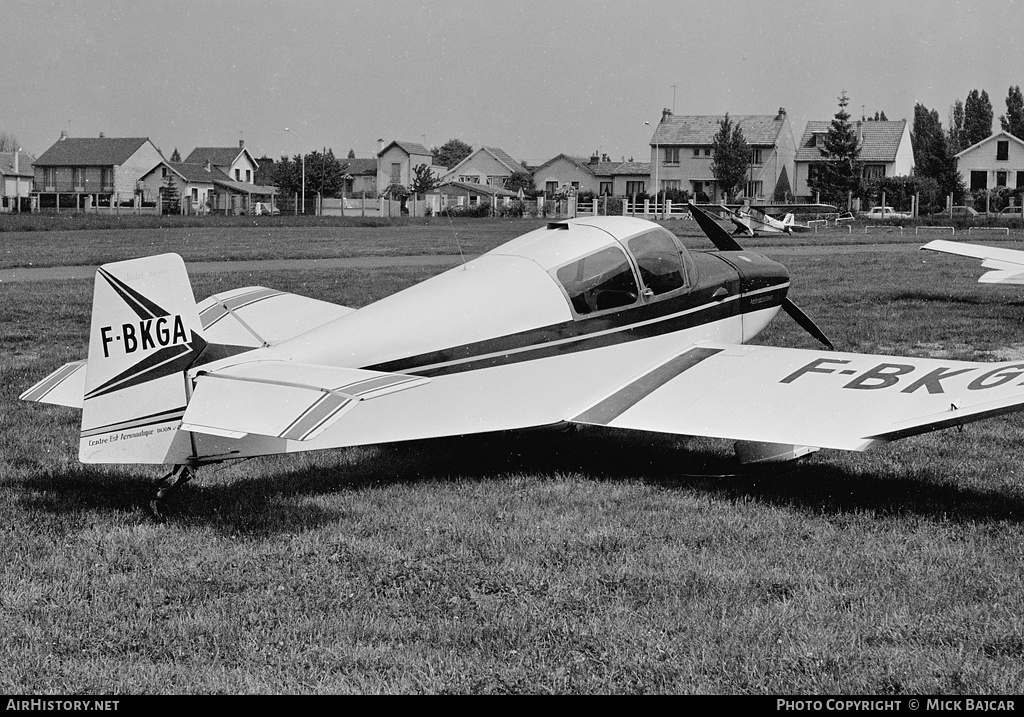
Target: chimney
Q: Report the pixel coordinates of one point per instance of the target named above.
(208, 167)
(102, 136)
(781, 114)
(380, 145)
(241, 143)
(594, 159)
(63, 134)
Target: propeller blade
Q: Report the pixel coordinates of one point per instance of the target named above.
(805, 322)
(722, 240)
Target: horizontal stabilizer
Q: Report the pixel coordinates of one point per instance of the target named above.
(283, 399)
(257, 316)
(1007, 264)
(63, 387)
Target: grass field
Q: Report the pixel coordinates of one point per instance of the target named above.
(583, 562)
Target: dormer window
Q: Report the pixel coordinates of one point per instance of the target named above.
(1002, 149)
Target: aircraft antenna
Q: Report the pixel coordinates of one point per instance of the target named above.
(456, 235)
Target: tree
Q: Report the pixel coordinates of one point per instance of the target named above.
(451, 153)
(8, 142)
(520, 180)
(351, 154)
(839, 172)
(955, 133)
(932, 156)
(1013, 120)
(879, 117)
(730, 156)
(324, 174)
(169, 195)
(175, 155)
(977, 117)
(423, 180)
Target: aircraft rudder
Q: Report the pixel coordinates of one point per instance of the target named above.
(145, 333)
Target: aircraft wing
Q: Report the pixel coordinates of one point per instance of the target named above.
(1007, 265)
(800, 397)
(257, 316)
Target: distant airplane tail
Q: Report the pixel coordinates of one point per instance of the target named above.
(145, 333)
(789, 220)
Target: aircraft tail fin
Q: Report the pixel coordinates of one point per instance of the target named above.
(145, 333)
(789, 220)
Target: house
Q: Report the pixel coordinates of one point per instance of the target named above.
(885, 151)
(77, 172)
(996, 161)
(681, 153)
(360, 176)
(15, 181)
(485, 165)
(194, 184)
(582, 174)
(235, 162)
(232, 171)
(631, 179)
(397, 162)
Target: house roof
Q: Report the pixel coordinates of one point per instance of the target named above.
(407, 147)
(357, 167)
(880, 140)
(218, 156)
(487, 189)
(499, 154)
(691, 130)
(632, 168)
(25, 162)
(90, 151)
(991, 137)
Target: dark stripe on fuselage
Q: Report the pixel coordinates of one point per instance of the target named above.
(694, 308)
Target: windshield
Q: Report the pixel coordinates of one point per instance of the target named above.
(660, 261)
(599, 281)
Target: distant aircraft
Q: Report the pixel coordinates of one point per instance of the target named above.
(1007, 265)
(754, 221)
(605, 321)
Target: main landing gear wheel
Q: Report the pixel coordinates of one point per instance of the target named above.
(179, 476)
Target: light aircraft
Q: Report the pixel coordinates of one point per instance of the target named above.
(605, 321)
(1007, 265)
(754, 221)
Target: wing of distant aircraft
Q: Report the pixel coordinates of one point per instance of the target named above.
(605, 321)
(1007, 265)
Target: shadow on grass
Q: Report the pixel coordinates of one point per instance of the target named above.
(265, 503)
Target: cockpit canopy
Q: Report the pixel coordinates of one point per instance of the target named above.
(622, 263)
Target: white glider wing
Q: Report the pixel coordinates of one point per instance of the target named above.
(771, 395)
(1007, 265)
(257, 316)
(283, 399)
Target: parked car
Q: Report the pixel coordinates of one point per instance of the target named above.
(885, 213)
(958, 212)
(1010, 213)
(264, 208)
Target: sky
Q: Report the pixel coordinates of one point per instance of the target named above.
(535, 78)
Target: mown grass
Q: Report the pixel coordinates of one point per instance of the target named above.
(576, 562)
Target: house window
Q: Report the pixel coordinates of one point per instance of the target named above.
(163, 173)
(874, 171)
(1020, 180)
(1000, 179)
(1002, 149)
(979, 179)
(107, 177)
(755, 156)
(696, 151)
(48, 180)
(633, 188)
(707, 151)
(671, 185)
(671, 155)
(495, 181)
(248, 175)
(575, 185)
(755, 189)
(468, 178)
(78, 176)
(606, 188)
(195, 194)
